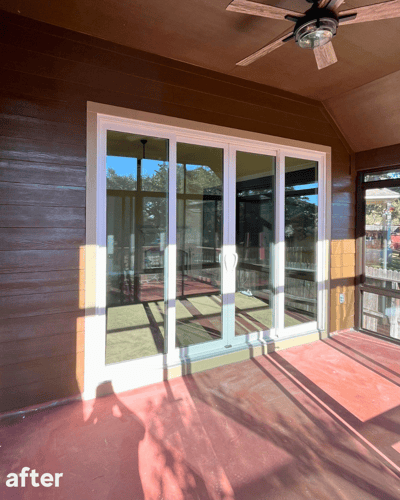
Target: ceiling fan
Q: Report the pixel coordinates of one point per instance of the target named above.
(316, 27)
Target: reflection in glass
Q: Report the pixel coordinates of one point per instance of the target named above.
(381, 314)
(121, 173)
(382, 237)
(154, 175)
(137, 184)
(382, 258)
(199, 240)
(255, 181)
(382, 176)
(301, 235)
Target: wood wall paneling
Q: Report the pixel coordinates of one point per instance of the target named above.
(344, 223)
(343, 197)
(39, 129)
(343, 233)
(42, 194)
(85, 49)
(36, 370)
(21, 104)
(48, 75)
(38, 216)
(42, 391)
(69, 90)
(41, 260)
(376, 158)
(32, 373)
(40, 238)
(66, 60)
(40, 282)
(343, 209)
(15, 148)
(340, 158)
(36, 304)
(28, 172)
(42, 226)
(43, 347)
(144, 57)
(18, 328)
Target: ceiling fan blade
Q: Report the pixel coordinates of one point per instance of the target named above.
(259, 9)
(376, 12)
(333, 4)
(275, 44)
(325, 55)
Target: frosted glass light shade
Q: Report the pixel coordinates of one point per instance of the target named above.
(315, 34)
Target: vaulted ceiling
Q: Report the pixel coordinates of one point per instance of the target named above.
(361, 91)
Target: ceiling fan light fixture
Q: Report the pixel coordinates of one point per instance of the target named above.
(316, 33)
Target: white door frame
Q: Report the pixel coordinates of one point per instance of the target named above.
(135, 373)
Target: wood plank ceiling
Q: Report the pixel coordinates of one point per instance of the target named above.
(361, 91)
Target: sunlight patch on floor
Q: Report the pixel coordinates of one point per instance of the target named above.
(131, 334)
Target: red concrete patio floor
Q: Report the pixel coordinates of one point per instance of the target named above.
(321, 421)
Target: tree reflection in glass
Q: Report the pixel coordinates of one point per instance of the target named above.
(301, 236)
(199, 241)
(137, 186)
(255, 214)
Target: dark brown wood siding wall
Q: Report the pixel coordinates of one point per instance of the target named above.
(386, 157)
(47, 76)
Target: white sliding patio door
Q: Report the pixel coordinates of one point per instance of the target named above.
(137, 173)
(202, 211)
(301, 242)
(279, 233)
(206, 244)
(252, 224)
(207, 250)
(225, 247)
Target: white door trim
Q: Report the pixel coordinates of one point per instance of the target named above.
(131, 374)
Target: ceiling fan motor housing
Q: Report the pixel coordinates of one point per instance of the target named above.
(316, 28)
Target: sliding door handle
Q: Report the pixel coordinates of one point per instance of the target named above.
(236, 256)
(231, 261)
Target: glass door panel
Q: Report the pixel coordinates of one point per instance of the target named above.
(381, 314)
(255, 230)
(301, 236)
(382, 237)
(381, 310)
(199, 244)
(137, 185)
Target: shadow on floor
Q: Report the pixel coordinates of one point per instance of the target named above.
(256, 430)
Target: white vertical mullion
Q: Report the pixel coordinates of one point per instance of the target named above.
(327, 222)
(229, 216)
(279, 256)
(227, 250)
(322, 246)
(320, 270)
(170, 260)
